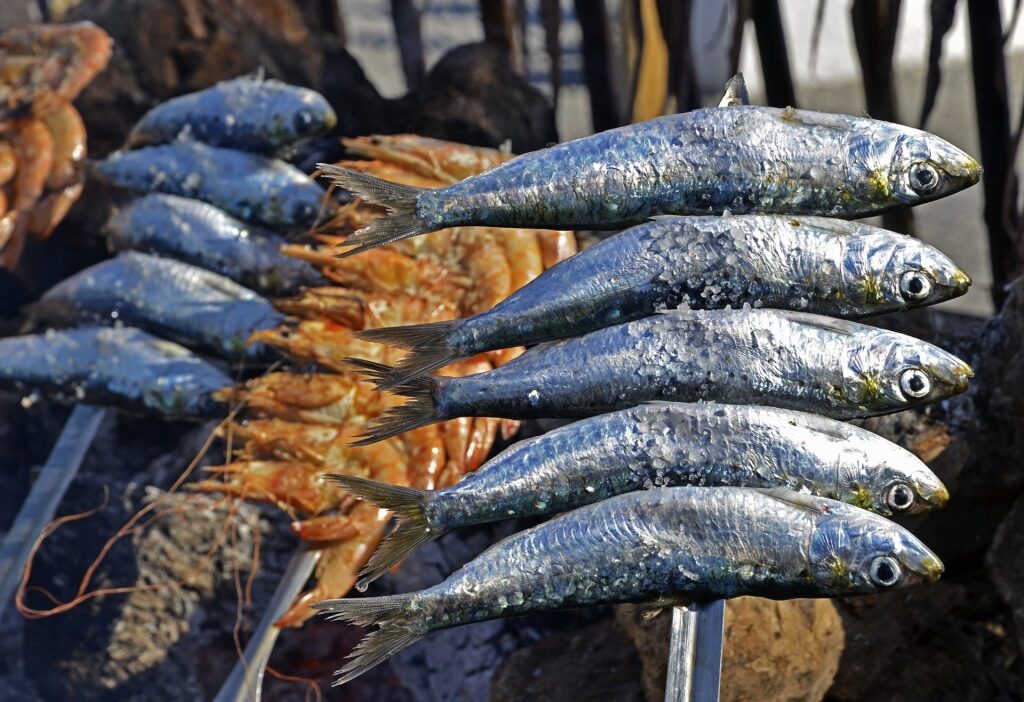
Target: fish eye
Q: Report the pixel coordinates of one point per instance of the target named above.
(885, 571)
(915, 285)
(303, 120)
(915, 383)
(923, 178)
(899, 497)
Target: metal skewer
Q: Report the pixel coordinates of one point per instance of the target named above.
(245, 684)
(695, 650)
(695, 653)
(60, 468)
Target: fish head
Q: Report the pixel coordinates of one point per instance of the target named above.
(853, 551)
(298, 113)
(884, 272)
(920, 167)
(884, 478)
(886, 372)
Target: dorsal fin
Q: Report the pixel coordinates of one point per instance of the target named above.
(810, 503)
(735, 92)
(839, 326)
(821, 425)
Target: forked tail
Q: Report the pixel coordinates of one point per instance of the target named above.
(396, 629)
(418, 411)
(429, 348)
(400, 222)
(412, 532)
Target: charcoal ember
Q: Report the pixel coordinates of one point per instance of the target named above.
(947, 641)
(593, 663)
(773, 650)
(1005, 562)
(138, 646)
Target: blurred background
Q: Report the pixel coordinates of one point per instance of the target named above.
(519, 75)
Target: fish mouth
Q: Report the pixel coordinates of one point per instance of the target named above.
(961, 282)
(954, 373)
(932, 568)
(921, 561)
(967, 169)
(936, 498)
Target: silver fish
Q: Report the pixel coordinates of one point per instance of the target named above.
(199, 233)
(251, 114)
(656, 445)
(264, 191)
(814, 264)
(793, 360)
(190, 305)
(656, 547)
(119, 366)
(744, 159)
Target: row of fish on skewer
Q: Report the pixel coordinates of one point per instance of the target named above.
(213, 279)
(710, 359)
(197, 252)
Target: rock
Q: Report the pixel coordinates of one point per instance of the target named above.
(140, 644)
(593, 664)
(472, 95)
(947, 641)
(786, 650)
(780, 650)
(1005, 561)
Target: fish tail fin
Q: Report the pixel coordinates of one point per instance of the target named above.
(412, 532)
(401, 221)
(395, 634)
(428, 344)
(418, 411)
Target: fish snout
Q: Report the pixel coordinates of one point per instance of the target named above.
(951, 372)
(921, 563)
(933, 498)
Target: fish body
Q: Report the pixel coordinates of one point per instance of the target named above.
(249, 114)
(253, 188)
(120, 366)
(195, 307)
(742, 159)
(657, 547)
(203, 235)
(658, 445)
(794, 360)
(826, 266)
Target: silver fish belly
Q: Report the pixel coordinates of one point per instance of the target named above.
(793, 360)
(826, 266)
(657, 546)
(657, 445)
(742, 159)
